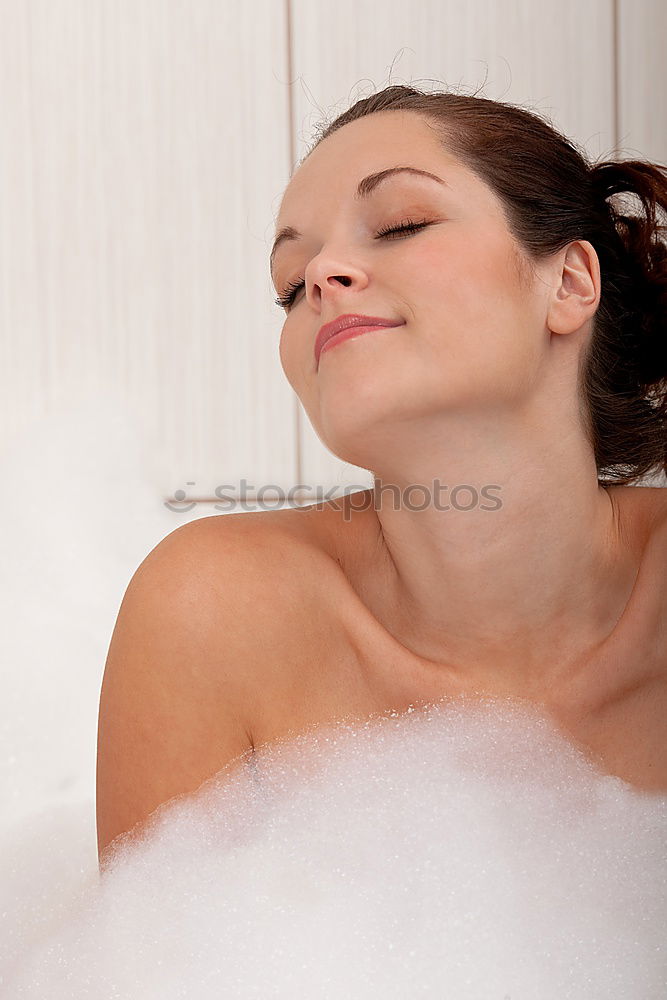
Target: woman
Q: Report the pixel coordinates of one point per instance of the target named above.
(510, 390)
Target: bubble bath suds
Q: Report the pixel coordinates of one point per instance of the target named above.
(459, 851)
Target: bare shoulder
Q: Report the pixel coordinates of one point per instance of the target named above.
(642, 511)
(326, 531)
(217, 578)
(658, 502)
(346, 528)
(258, 575)
(657, 541)
(650, 507)
(251, 547)
(263, 547)
(206, 622)
(655, 499)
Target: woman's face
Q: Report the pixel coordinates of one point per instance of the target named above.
(472, 323)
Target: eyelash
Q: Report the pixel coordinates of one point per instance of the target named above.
(289, 294)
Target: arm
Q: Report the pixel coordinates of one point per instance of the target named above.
(177, 685)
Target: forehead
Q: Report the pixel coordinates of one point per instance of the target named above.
(384, 139)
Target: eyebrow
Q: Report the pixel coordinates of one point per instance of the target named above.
(365, 188)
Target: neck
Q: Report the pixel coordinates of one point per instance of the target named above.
(511, 596)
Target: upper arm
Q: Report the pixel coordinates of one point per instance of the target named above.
(176, 686)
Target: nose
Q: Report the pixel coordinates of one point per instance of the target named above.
(328, 282)
(329, 272)
(347, 281)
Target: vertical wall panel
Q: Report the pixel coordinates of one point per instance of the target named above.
(143, 147)
(642, 79)
(556, 59)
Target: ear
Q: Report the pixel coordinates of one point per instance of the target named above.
(576, 288)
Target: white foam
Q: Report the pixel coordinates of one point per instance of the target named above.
(463, 850)
(79, 511)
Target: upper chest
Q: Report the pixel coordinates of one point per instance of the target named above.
(331, 661)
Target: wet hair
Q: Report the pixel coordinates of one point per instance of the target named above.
(553, 194)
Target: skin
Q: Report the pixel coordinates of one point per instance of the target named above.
(477, 387)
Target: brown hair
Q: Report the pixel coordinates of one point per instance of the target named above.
(553, 194)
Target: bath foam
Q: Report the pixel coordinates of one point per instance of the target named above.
(459, 850)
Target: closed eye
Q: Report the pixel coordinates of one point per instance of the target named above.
(292, 289)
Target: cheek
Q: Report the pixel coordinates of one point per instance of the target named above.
(478, 316)
(287, 353)
(467, 269)
(282, 351)
(297, 359)
(472, 282)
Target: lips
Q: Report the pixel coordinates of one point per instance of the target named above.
(344, 323)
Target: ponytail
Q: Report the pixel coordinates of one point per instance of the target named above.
(626, 374)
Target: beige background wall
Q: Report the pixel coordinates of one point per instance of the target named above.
(145, 146)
